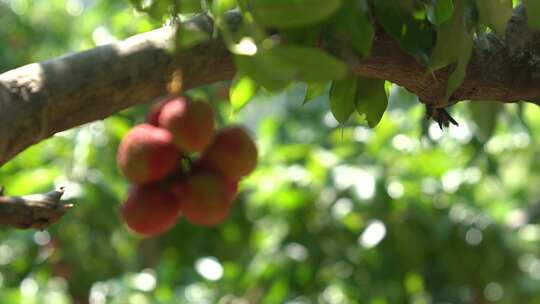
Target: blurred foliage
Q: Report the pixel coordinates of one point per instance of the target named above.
(335, 213)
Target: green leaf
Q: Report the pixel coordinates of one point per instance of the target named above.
(266, 70)
(312, 64)
(293, 13)
(314, 90)
(190, 6)
(302, 35)
(243, 88)
(398, 20)
(158, 10)
(485, 114)
(440, 11)
(220, 7)
(454, 45)
(275, 68)
(495, 14)
(342, 99)
(533, 13)
(457, 76)
(189, 35)
(354, 25)
(243, 5)
(371, 99)
(452, 38)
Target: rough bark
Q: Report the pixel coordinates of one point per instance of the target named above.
(40, 99)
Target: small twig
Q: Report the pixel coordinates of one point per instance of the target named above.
(37, 211)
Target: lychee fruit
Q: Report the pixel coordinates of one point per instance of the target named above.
(147, 154)
(190, 123)
(232, 153)
(205, 198)
(150, 209)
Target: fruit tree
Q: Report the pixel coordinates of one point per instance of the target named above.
(397, 115)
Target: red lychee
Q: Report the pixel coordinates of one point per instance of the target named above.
(147, 154)
(150, 209)
(190, 123)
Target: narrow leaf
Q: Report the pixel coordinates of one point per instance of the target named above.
(485, 114)
(457, 76)
(342, 99)
(451, 38)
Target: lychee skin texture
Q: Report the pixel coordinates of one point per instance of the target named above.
(150, 210)
(147, 154)
(232, 153)
(205, 198)
(190, 123)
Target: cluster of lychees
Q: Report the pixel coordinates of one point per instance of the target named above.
(181, 165)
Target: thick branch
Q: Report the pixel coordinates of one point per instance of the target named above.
(37, 211)
(40, 99)
(491, 75)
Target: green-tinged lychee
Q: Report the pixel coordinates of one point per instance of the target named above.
(232, 153)
(205, 197)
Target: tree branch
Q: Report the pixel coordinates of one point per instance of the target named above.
(40, 99)
(37, 211)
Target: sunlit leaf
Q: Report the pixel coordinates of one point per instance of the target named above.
(219, 7)
(243, 88)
